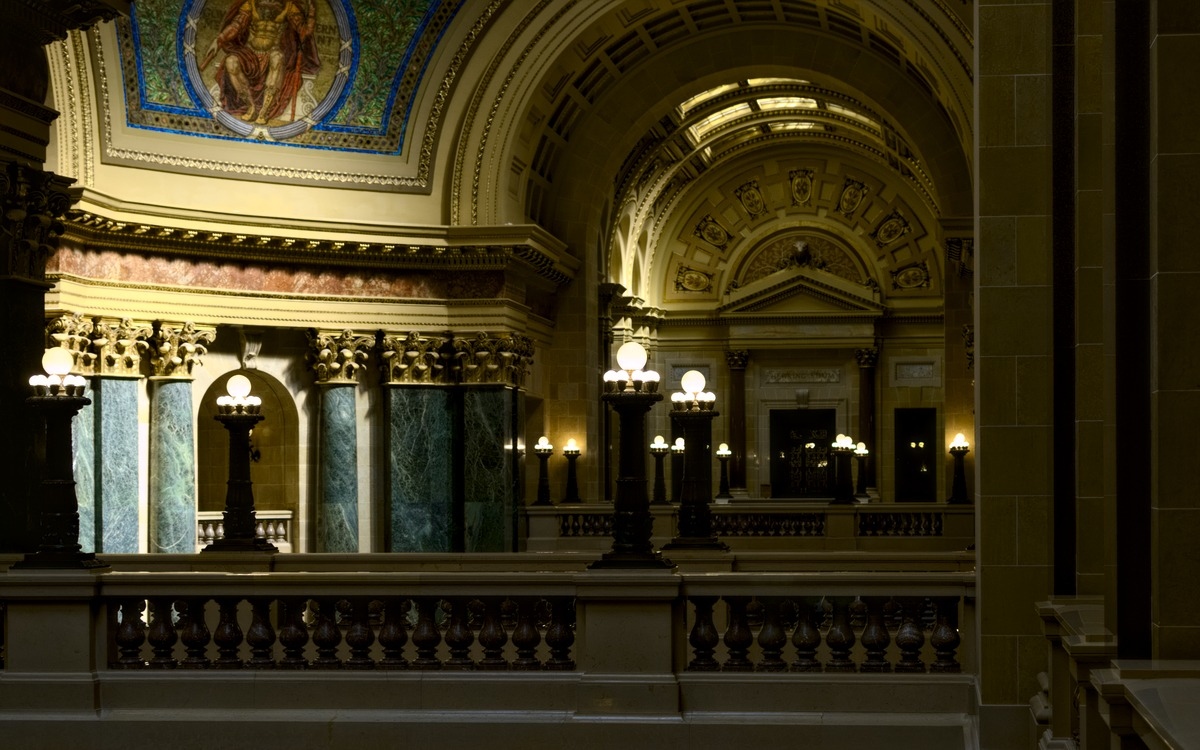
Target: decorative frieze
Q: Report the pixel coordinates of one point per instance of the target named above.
(176, 349)
(414, 359)
(494, 359)
(337, 356)
(118, 346)
(802, 375)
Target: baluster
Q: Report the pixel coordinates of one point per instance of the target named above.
(858, 614)
(492, 635)
(459, 636)
(704, 637)
(738, 637)
(293, 636)
(945, 639)
(392, 635)
(261, 635)
(560, 635)
(195, 636)
(840, 637)
(936, 525)
(162, 634)
(359, 636)
(928, 614)
(875, 638)
(891, 614)
(772, 637)
(228, 635)
(327, 636)
(806, 638)
(526, 636)
(910, 638)
(425, 635)
(131, 634)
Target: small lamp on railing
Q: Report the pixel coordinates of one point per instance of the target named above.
(58, 395)
(678, 449)
(843, 486)
(659, 449)
(571, 451)
(543, 450)
(631, 391)
(238, 412)
(860, 455)
(723, 455)
(958, 488)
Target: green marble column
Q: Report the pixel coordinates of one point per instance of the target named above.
(116, 482)
(421, 476)
(83, 453)
(172, 467)
(337, 510)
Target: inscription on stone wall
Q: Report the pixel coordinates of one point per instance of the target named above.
(802, 375)
(914, 370)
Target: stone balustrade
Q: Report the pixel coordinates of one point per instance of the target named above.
(273, 525)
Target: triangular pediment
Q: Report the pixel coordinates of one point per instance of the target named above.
(802, 291)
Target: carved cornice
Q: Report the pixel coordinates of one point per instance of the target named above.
(460, 252)
(504, 358)
(337, 356)
(175, 349)
(32, 203)
(414, 358)
(50, 20)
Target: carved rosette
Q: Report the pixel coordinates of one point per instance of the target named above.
(32, 204)
(119, 345)
(867, 357)
(175, 350)
(494, 359)
(73, 333)
(336, 357)
(737, 359)
(413, 359)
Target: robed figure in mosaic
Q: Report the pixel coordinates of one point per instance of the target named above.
(269, 47)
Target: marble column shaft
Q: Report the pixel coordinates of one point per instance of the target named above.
(421, 476)
(172, 467)
(83, 455)
(116, 487)
(337, 510)
(488, 468)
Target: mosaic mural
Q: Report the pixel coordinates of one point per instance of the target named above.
(332, 74)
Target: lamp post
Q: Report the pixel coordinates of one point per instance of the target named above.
(543, 450)
(631, 391)
(59, 397)
(678, 448)
(571, 451)
(238, 413)
(659, 449)
(693, 411)
(958, 488)
(843, 487)
(860, 455)
(723, 454)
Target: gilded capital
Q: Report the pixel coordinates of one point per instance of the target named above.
(32, 204)
(175, 349)
(336, 357)
(73, 333)
(867, 357)
(494, 359)
(737, 359)
(414, 359)
(118, 346)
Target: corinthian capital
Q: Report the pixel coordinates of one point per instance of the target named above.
(867, 357)
(32, 204)
(737, 359)
(174, 350)
(413, 359)
(494, 359)
(119, 345)
(73, 333)
(337, 357)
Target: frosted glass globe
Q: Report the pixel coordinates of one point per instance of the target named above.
(631, 356)
(238, 386)
(57, 361)
(692, 381)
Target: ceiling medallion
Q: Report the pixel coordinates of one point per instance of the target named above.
(911, 277)
(267, 69)
(711, 232)
(691, 280)
(802, 186)
(751, 198)
(893, 227)
(852, 196)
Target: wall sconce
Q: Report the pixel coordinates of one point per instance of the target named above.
(659, 449)
(723, 455)
(543, 450)
(958, 488)
(571, 451)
